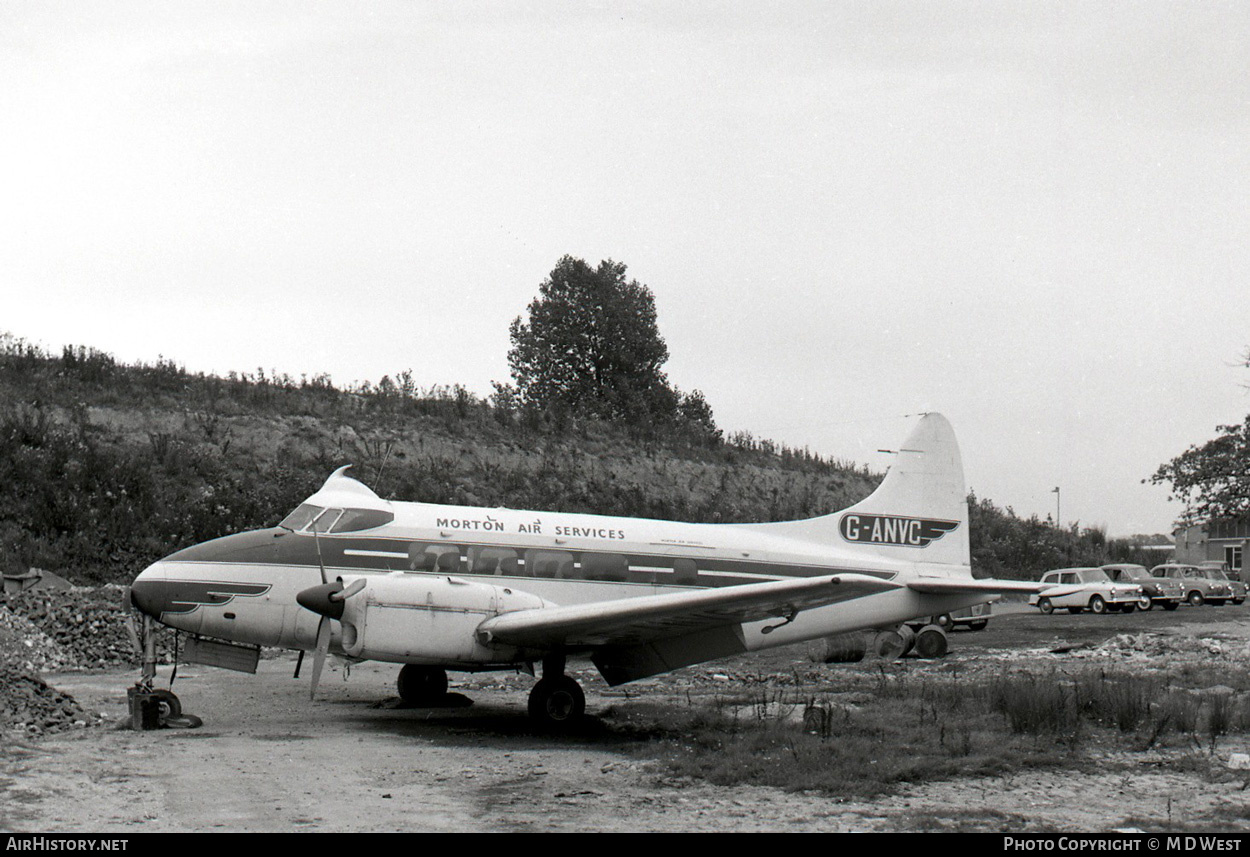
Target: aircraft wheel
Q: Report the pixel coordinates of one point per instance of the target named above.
(1097, 604)
(1045, 606)
(421, 685)
(1195, 598)
(931, 642)
(557, 702)
(168, 706)
(183, 721)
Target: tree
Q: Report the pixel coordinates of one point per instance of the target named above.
(1213, 480)
(591, 346)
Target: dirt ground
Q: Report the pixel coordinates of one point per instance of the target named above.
(268, 759)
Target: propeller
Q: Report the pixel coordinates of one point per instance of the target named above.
(327, 601)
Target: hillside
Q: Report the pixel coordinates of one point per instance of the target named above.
(106, 467)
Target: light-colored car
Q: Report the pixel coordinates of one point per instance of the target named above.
(1078, 589)
(1163, 591)
(1238, 588)
(1233, 575)
(1199, 589)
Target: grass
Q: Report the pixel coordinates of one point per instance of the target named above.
(881, 729)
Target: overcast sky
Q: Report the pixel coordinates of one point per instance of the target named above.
(1031, 217)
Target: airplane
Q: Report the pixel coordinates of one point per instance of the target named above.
(449, 588)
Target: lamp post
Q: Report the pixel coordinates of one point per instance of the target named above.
(1056, 493)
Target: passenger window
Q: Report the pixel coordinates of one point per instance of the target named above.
(685, 571)
(549, 563)
(492, 560)
(445, 559)
(605, 566)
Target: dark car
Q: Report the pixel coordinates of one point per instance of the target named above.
(1163, 591)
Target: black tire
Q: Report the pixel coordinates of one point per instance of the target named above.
(1045, 606)
(168, 706)
(1075, 610)
(1239, 601)
(931, 642)
(1097, 604)
(1195, 598)
(183, 721)
(979, 625)
(1170, 605)
(421, 685)
(557, 702)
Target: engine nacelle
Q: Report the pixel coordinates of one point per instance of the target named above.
(408, 618)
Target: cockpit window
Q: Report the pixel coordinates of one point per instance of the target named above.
(301, 517)
(325, 522)
(361, 519)
(334, 520)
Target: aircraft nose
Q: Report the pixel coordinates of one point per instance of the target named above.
(149, 592)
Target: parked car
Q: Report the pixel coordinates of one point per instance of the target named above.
(1233, 574)
(1238, 588)
(975, 617)
(1165, 592)
(1199, 589)
(1077, 589)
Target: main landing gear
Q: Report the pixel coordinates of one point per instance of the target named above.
(557, 701)
(421, 686)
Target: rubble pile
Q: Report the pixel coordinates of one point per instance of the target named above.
(29, 706)
(1174, 646)
(23, 645)
(87, 625)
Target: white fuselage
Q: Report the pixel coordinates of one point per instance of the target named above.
(242, 588)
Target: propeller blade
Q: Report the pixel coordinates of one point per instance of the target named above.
(317, 542)
(319, 658)
(351, 590)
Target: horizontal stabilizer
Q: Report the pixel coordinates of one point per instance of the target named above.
(958, 586)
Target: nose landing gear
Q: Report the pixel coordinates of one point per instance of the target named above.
(151, 707)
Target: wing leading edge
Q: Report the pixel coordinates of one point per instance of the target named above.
(649, 617)
(634, 638)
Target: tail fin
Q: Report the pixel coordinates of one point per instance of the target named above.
(918, 513)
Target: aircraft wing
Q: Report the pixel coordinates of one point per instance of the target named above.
(635, 621)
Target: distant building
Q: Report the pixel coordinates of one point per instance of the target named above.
(1220, 541)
